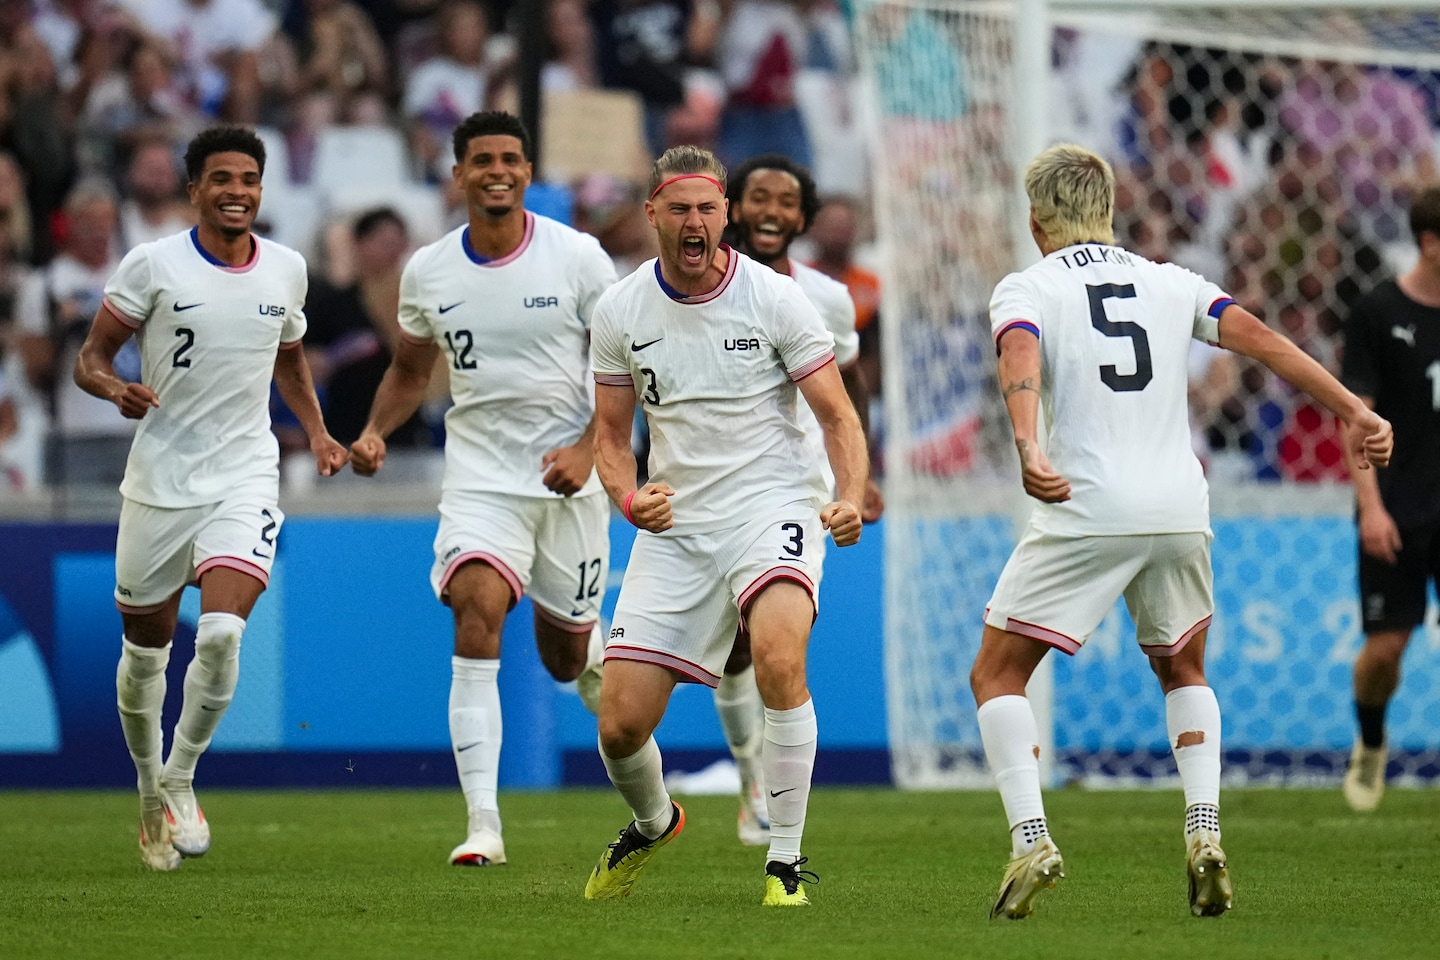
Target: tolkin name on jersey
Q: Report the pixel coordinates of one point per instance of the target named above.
(751, 343)
(1088, 255)
(532, 302)
(271, 310)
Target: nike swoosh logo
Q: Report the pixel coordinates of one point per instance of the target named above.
(210, 709)
(577, 613)
(467, 746)
(262, 556)
(189, 306)
(776, 793)
(451, 307)
(637, 347)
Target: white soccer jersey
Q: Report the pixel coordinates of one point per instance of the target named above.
(515, 330)
(832, 299)
(1115, 332)
(715, 375)
(208, 335)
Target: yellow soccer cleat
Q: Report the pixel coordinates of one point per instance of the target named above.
(622, 861)
(1210, 891)
(783, 886)
(1027, 876)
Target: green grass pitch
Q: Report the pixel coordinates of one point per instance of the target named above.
(363, 874)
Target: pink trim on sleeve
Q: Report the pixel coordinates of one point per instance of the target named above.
(418, 341)
(120, 315)
(615, 379)
(806, 369)
(291, 345)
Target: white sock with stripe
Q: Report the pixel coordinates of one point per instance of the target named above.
(788, 761)
(641, 781)
(1011, 739)
(140, 696)
(475, 735)
(209, 687)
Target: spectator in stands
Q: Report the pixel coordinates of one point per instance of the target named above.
(53, 314)
(141, 103)
(613, 211)
(760, 52)
(570, 37)
(9, 477)
(353, 330)
(217, 45)
(19, 451)
(15, 222)
(450, 86)
(344, 59)
(833, 237)
(153, 207)
(38, 130)
(649, 46)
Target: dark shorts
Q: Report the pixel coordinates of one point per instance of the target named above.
(1393, 597)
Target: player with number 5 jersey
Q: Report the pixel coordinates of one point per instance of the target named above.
(218, 312)
(1095, 340)
(506, 301)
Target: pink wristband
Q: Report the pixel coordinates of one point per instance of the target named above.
(626, 508)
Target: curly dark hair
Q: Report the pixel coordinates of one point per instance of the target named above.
(809, 194)
(226, 139)
(490, 123)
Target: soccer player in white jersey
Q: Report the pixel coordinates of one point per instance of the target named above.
(772, 201)
(217, 312)
(508, 297)
(715, 347)
(1099, 338)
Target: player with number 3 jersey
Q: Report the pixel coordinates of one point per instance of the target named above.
(218, 312)
(1096, 340)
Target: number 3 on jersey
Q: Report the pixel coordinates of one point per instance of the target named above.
(1109, 374)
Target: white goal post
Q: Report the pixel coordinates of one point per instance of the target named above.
(1270, 145)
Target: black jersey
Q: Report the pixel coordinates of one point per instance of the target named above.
(1392, 355)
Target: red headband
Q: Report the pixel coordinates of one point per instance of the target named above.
(687, 176)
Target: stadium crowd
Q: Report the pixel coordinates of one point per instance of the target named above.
(355, 100)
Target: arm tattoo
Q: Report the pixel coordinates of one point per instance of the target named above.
(1013, 388)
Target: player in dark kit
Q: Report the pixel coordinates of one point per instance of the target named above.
(1392, 361)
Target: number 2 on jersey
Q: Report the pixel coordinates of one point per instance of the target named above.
(187, 341)
(1144, 369)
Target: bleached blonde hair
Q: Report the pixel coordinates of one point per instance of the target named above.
(1072, 192)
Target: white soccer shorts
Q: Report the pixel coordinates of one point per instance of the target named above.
(682, 596)
(557, 550)
(1058, 589)
(159, 549)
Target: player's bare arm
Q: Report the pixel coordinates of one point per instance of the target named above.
(400, 394)
(845, 445)
(297, 389)
(95, 368)
(1368, 437)
(1379, 535)
(568, 468)
(853, 377)
(1020, 385)
(648, 507)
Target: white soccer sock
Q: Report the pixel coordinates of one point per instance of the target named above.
(641, 781)
(1194, 710)
(140, 695)
(737, 701)
(475, 735)
(1011, 739)
(209, 687)
(788, 762)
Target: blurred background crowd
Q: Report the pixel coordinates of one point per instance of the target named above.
(1285, 180)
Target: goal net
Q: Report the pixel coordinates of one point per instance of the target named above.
(1271, 146)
